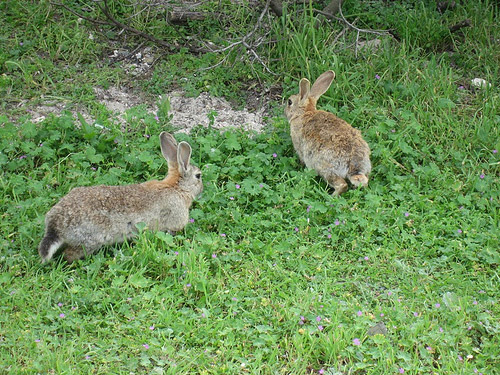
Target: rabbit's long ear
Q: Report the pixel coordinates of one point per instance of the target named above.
(322, 84)
(183, 156)
(168, 146)
(304, 87)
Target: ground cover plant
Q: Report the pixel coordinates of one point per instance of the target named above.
(272, 275)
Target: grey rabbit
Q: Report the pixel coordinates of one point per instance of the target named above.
(88, 218)
(324, 142)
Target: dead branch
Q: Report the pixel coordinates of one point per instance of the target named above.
(460, 25)
(105, 10)
(111, 21)
(248, 41)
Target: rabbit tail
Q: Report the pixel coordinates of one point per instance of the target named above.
(49, 244)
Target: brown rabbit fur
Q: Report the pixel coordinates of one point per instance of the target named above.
(88, 218)
(324, 142)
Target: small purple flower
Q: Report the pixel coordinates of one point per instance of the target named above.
(147, 136)
(337, 222)
(359, 313)
(87, 357)
(237, 186)
(62, 315)
(296, 229)
(461, 87)
(437, 305)
(261, 185)
(21, 43)
(40, 145)
(302, 318)
(203, 315)
(301, 322)
(401, 370)
(429, 348)
(460, 358)
(441, 329)
(157, 118)
(366, 258)
(275, 155)
(176, 252)
(152, 328)
(322, 371)
(382, 314)
(231, 198)
(318, 318)
(389, 293)
(356, 342)
(495, 151)
(459, 231)
(59, 304)
(329, 235)
(191, 220)
(377, 76)
(321, 328)
(146, 346)
(223, 234)
(234, 299)
(407, 214)
(308, 208)
(23, 157)
(188, 285)
(474, 303)
(37, 340)
(415, 314)
(214, 255)
(481, 176)
(393, 130)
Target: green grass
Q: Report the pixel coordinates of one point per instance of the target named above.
(274, 275)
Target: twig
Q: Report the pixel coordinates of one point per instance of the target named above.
(245, 42)
(460, 25)
(93, 20)
(351, 26)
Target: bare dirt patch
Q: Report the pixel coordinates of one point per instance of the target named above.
(186, 112)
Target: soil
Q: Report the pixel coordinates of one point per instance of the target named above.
(186, 112)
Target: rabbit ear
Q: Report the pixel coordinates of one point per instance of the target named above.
(168, 146)
(304, 86)
(183, 156)
(322, 84)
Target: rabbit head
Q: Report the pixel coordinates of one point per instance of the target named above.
(180, 172)
(305, 101)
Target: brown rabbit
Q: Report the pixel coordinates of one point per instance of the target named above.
(88, 218)
(324, 142)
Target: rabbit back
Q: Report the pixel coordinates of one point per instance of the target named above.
(330, 145)
(94, 216)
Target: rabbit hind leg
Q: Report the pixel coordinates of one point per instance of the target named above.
(72, 253)
(338, 183)
(359, 180)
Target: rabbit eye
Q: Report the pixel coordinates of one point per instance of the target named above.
(197, 175)
(290, 102)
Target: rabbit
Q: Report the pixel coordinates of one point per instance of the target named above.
(88, 218)
(324, 142)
